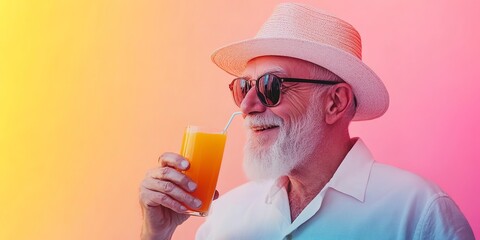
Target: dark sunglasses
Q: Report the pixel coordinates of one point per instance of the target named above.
(268, 86)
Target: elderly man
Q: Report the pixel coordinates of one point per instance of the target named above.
(300, 82)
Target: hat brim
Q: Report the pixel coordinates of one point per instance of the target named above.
(370, 92)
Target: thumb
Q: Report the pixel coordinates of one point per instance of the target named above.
(216, 195)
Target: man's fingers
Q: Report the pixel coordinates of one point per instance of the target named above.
(167, 186)
(168, 189)
(173, 160)
(174, 176)
(160, 199)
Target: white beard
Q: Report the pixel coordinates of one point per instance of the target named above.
(295, 143)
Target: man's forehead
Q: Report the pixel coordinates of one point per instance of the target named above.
(275, 64)
(255, 72)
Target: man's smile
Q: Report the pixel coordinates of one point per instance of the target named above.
(260, 128)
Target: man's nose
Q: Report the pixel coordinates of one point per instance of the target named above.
(251, 104)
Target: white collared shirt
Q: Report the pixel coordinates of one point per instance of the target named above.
(363, 200)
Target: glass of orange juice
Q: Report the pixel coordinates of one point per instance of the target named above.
(204, 149)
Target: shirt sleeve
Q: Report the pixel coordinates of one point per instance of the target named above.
(443, 220)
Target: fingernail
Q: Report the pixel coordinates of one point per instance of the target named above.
(197, 203)
(183, 209)
(184, 164)
(192, 186)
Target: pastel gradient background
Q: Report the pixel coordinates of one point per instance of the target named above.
(93, 91)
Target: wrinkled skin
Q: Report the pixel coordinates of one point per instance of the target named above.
(164, 193)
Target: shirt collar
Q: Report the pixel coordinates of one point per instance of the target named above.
(351, 177)
(278, 185)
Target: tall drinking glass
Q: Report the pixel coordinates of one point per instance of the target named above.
(204, 149)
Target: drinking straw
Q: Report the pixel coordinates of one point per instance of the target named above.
(230, 121)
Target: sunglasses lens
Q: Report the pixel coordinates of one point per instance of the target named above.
(268, 90)
(240, 88)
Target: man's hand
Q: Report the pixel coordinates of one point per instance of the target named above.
(164, 193)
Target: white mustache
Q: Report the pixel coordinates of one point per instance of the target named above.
(252, 121)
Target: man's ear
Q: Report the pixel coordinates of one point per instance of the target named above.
(339, 98)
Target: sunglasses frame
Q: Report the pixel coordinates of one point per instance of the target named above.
(262, 97)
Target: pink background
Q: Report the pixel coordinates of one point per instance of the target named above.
(94, 91)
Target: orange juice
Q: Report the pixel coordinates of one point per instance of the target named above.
(204, 150)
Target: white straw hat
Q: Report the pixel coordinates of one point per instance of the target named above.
(298, 31)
